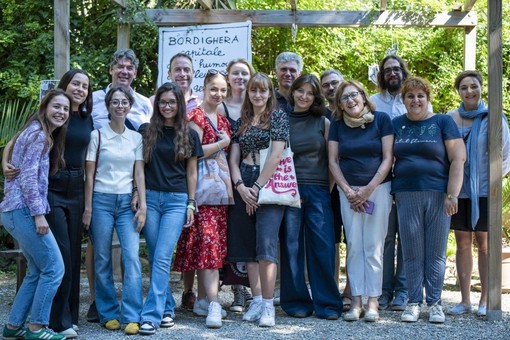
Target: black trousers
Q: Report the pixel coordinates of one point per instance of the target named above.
(66, 199)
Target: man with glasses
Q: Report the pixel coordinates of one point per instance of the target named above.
(123, 69)
(330, 80)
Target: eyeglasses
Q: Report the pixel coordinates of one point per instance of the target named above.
(163, 103)
(213, 72)
(123, 103)
(333, 83)
(394, 69)
(351, 96)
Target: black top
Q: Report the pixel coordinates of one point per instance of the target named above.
(282, 103)
(255, 139)
(163, 172)
(309, 146)
(77, 140)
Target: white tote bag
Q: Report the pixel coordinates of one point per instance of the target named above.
(282, 187)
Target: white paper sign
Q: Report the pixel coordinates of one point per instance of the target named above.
(210, 47)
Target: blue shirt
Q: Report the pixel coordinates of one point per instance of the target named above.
(360, 150)
(421, 159)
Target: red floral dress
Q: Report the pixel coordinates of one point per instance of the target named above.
(204, 244)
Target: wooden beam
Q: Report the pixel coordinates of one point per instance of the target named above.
(206, 4)
(494, 27)
(383, 5)
(469, 48)
(468, 5)
(61, 50)
(285, 18)
(123, 36)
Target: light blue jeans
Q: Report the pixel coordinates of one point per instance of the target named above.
(45, 269)
(111, 211)
(166, 214)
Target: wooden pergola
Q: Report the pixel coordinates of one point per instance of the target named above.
(461, 17)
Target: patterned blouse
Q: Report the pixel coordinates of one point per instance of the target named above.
(254, 138)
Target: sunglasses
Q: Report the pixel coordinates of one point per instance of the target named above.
(213, 72)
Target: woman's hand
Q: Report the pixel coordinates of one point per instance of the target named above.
(451, 206)
(134, 202)
(249, 195)
(41, 225)
(85, 219)
(190, 218)
(351, 196)
(140, 218)
(9, 171)
(223, 136)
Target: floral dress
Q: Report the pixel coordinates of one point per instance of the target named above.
(204, 244)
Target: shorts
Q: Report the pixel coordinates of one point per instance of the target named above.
(461, 221)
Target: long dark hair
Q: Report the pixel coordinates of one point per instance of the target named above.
(85, 108)
(182, 142)
(54, 140)
(318, 107)
(261, 81)
(381, 84)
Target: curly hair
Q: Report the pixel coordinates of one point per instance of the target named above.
(258, 81)
(183, 144)
(380, 75)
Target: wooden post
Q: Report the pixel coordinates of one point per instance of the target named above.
(61, 37)
(494, 26)
(123, 36)
(470, 48)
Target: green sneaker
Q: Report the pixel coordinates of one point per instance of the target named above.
(14, 334)
(44, 333)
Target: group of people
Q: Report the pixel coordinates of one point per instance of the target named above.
(379, 166)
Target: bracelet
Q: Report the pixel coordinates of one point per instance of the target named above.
(238, 183)
(192, 207)
(257, 184)
(135, 189)
(191, 200)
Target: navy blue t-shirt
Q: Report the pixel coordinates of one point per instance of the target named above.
(421, 160)
(360, 150)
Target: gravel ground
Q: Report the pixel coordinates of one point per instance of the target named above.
(389, 327)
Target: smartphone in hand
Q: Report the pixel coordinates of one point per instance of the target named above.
(370, 209)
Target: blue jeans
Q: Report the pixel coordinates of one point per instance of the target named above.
(111, 211)
(310, 226)
(166, 214)
(394, 282)
(45, 269)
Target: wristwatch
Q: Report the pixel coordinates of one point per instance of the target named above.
(451, 197)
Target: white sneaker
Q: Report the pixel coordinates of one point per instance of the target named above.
(254, 311)
(436, 314)
(69, 333)
(201, 308)
(213, 319)
(411, 313)
(267, 316)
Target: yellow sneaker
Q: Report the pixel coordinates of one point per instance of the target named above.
(132, 328)
(112, 325)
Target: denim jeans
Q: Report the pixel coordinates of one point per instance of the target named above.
(45, 269)
(111, 211)
(166, 214)
(394, 281)
(310, 227)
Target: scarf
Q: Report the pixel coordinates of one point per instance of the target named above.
(471, 168)
(365, 117)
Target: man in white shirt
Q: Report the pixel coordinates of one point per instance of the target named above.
(392, 73)
(123, 69)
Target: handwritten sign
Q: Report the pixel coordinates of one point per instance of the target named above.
(209, 46)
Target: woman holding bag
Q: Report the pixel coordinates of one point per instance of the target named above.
(254, 233)
(313, 226)
(203, 246)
